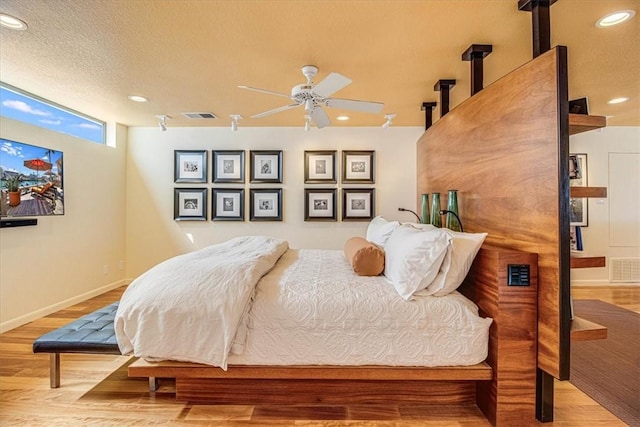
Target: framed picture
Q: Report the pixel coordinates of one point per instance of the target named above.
(266, 166)
(227, 204)
(578, 207)
(265, 204)
(320, 167)
(320, 204)
(358, 167)
(228, 166)
(358, 204)
(190, 166)
(190, 204)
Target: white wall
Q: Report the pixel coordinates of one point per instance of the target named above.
(60, 261)
(618, 213)
(153, 235)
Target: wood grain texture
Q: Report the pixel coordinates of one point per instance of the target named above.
(334, 392)
(502, 149)
(97, 391)
(599, 192)
(172, 369)
(579, 123)
(510, 398)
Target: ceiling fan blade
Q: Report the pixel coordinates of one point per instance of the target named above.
(354, 105)
(320, 118)
(270, 92)
(331, 84)
(275, 110)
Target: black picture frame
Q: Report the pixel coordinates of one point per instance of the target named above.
(228, 166)
(358, 167)
(578, 174)
(320, 204)
(190, 204)
(320, 167)
(265, 204)
(266, 166)
(358, 204)
(227, 204)
(190, 166)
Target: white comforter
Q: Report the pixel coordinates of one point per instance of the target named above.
(188, 308)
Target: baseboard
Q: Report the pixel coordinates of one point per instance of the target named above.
(30, 317)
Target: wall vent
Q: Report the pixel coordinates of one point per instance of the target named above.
(200, 115)
(624, 270)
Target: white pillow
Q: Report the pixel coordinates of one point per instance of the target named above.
(380, 229)
(413, 258)
(457, 262)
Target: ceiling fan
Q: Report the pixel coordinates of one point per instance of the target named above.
(314, 97)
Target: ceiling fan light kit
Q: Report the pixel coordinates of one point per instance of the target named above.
(315, 97)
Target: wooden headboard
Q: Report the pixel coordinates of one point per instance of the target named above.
(506, 151)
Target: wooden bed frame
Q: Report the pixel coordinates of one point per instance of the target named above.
(505, 150)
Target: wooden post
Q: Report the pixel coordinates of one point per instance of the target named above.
(540, 23)
(444, 86)
(428, 107)
(476, 53)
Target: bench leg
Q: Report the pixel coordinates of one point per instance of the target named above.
(153, 384)
(54, 370)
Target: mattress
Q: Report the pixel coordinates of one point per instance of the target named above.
(312, 309)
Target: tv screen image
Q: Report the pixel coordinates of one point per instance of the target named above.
(31, 181)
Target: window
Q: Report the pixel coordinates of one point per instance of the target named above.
(22, 106)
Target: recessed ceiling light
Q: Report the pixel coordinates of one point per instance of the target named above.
(12, 22)
(138, 98)
(617, 100)
(615, 18)
(342, 118)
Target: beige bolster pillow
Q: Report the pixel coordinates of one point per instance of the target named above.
(366, 258)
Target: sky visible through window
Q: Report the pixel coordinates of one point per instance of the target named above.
(17, 106)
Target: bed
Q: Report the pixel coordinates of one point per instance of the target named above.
(505, 150)
(253, 301)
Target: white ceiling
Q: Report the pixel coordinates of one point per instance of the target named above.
(190, 55)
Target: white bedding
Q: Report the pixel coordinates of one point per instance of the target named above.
(188, 308)
(311, 308)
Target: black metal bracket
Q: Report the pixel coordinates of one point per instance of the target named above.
(428, 107)
(444, 86)
(476, 53)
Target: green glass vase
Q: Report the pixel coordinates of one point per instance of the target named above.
(424, 209)
(436, 219)
(452, 205)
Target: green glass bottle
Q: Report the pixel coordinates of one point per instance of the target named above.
(436, 219)
(424, 209)
(452, 205)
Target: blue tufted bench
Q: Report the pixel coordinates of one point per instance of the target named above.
(93, 333)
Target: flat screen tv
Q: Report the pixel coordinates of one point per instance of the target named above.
(31, 180)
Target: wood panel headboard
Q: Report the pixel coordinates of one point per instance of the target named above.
(506, 151)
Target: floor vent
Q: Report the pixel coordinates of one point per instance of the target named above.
(624, 270)
(200, 115)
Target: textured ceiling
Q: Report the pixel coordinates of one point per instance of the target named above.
(190, 55)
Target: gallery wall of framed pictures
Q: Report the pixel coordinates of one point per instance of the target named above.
(227, 197)
(337, 185)
(321, 167)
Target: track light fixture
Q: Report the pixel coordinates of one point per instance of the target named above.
(234, 121)
(388, 118)
(162, 122)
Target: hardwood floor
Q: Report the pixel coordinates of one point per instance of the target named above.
(95, 389)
